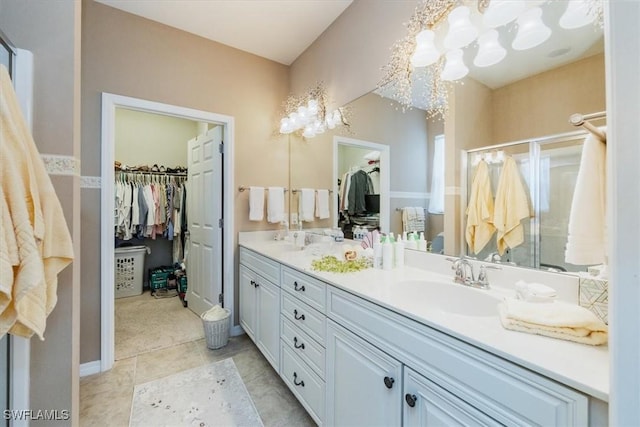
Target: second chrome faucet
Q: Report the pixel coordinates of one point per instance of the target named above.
(464, 273)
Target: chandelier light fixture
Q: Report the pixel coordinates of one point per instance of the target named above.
(431, 57)
(308, 115)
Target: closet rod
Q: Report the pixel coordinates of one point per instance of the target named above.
(578, 119)
(400, 209)
(243, 188)
(295, 190)
(153, 173)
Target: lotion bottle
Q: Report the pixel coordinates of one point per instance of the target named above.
(411, 242)
(377, 252)
(387, 254)
(398, 249)
(422, 244)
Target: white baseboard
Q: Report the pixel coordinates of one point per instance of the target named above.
(89, 368)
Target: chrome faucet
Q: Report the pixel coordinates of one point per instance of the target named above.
(464, 273)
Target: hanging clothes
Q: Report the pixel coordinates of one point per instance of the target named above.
(360, 186)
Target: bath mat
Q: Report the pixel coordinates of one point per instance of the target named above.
(210, 395)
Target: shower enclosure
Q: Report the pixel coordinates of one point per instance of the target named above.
(548, 167)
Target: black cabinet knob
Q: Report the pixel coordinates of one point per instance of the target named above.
(296, 288)
(295, 343)
(295, 315)
(295, 380)
(411, 399)
(388, 381)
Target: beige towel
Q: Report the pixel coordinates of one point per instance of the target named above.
(256, 203)
(42, 239)
(306, 204)
(586, 240)
(553, 319)
(511, 207)
(480, 210)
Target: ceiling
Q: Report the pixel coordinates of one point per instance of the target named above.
(279, 30)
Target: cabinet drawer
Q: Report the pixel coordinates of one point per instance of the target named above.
(304, 317)
(302, 345)
(504, 391)
(262, 265)
(305, 385)
(308, 289)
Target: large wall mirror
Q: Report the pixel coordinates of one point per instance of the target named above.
(527, 97)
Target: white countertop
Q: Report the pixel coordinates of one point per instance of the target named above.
(583, 367)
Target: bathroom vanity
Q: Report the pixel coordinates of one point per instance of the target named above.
(409, 347)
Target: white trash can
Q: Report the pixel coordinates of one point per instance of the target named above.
(129, 270)
(216, 326)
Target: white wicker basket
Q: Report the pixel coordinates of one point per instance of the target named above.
(216, 331)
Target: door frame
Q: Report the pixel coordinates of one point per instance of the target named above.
(107, 240)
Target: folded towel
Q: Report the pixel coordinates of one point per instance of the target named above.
(322, 204)
(256, 203)
(586, 240)
(480, 210)
(534, 292)
(511, 206)
(555, 319)
(306, 204)
(275, 208)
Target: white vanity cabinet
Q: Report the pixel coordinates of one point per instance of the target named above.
(260, 303)
(303, 339)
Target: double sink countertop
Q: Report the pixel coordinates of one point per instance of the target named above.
(430, 297)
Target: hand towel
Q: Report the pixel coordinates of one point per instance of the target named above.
(275, 205)
(555, 319)
(322, 204)
(586, 240)
(40, 233)
(306, 204)
(511, 206)
(256, 203)
(480, 210)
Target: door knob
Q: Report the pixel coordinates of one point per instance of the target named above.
(411, 399)
(388, 381)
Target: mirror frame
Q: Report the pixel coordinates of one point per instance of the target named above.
(385, 174)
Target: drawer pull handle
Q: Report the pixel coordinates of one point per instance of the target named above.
(388, 381)
(295, 380)
(295, 315)
(256, 284)
(253, 283)
(411, 399)
(295, 343)
(296, 288)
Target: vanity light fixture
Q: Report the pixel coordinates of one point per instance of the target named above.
(428, 55)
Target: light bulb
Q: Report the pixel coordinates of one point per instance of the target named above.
(531, 30)
(501, 12)
(461, 31)
(490, 51)
(426, 52)
(454, 67)
(303, 114)
(576, 15)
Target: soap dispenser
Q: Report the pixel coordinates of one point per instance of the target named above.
(387, 254)
(377, 252)
(398, 251)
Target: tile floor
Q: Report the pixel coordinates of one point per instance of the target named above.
(105, 399)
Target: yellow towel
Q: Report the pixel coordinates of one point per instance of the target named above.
(511, 207)
(40, 234)
(480, 210)
(553, 319)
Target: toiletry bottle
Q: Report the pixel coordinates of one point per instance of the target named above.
(422, 244)
(387, 254)
(404, 236)
(398, 249)
(377, 252)
(411, 242)
(391, 238)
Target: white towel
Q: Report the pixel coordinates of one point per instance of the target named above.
(306, 204)
(322, 204)
(554, 319)
(275, 207)
(413, 219)
(586, 240)
(256, 203)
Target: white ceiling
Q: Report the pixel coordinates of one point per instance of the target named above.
(279, 30)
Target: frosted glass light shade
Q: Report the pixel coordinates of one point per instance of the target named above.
(454, 67)
(461, 30)
(285, 126)
(426, 52)
(531, 30)
(490, 51)
(576, 15)
(312, 107)
(308, 132)
(501, 12)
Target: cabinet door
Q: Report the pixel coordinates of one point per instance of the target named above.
(427, 404)
(268, 317)
(364, 385)
(248, 301)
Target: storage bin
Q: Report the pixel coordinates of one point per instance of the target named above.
(129, 269)
(216, 332)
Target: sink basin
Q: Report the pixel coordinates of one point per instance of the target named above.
(452, 298)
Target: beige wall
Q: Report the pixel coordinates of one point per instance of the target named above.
(128, 55)
(51, 31)
(147, 139)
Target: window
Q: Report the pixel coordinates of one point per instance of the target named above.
(436, 201)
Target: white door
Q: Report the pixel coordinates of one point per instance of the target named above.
(204, 213)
